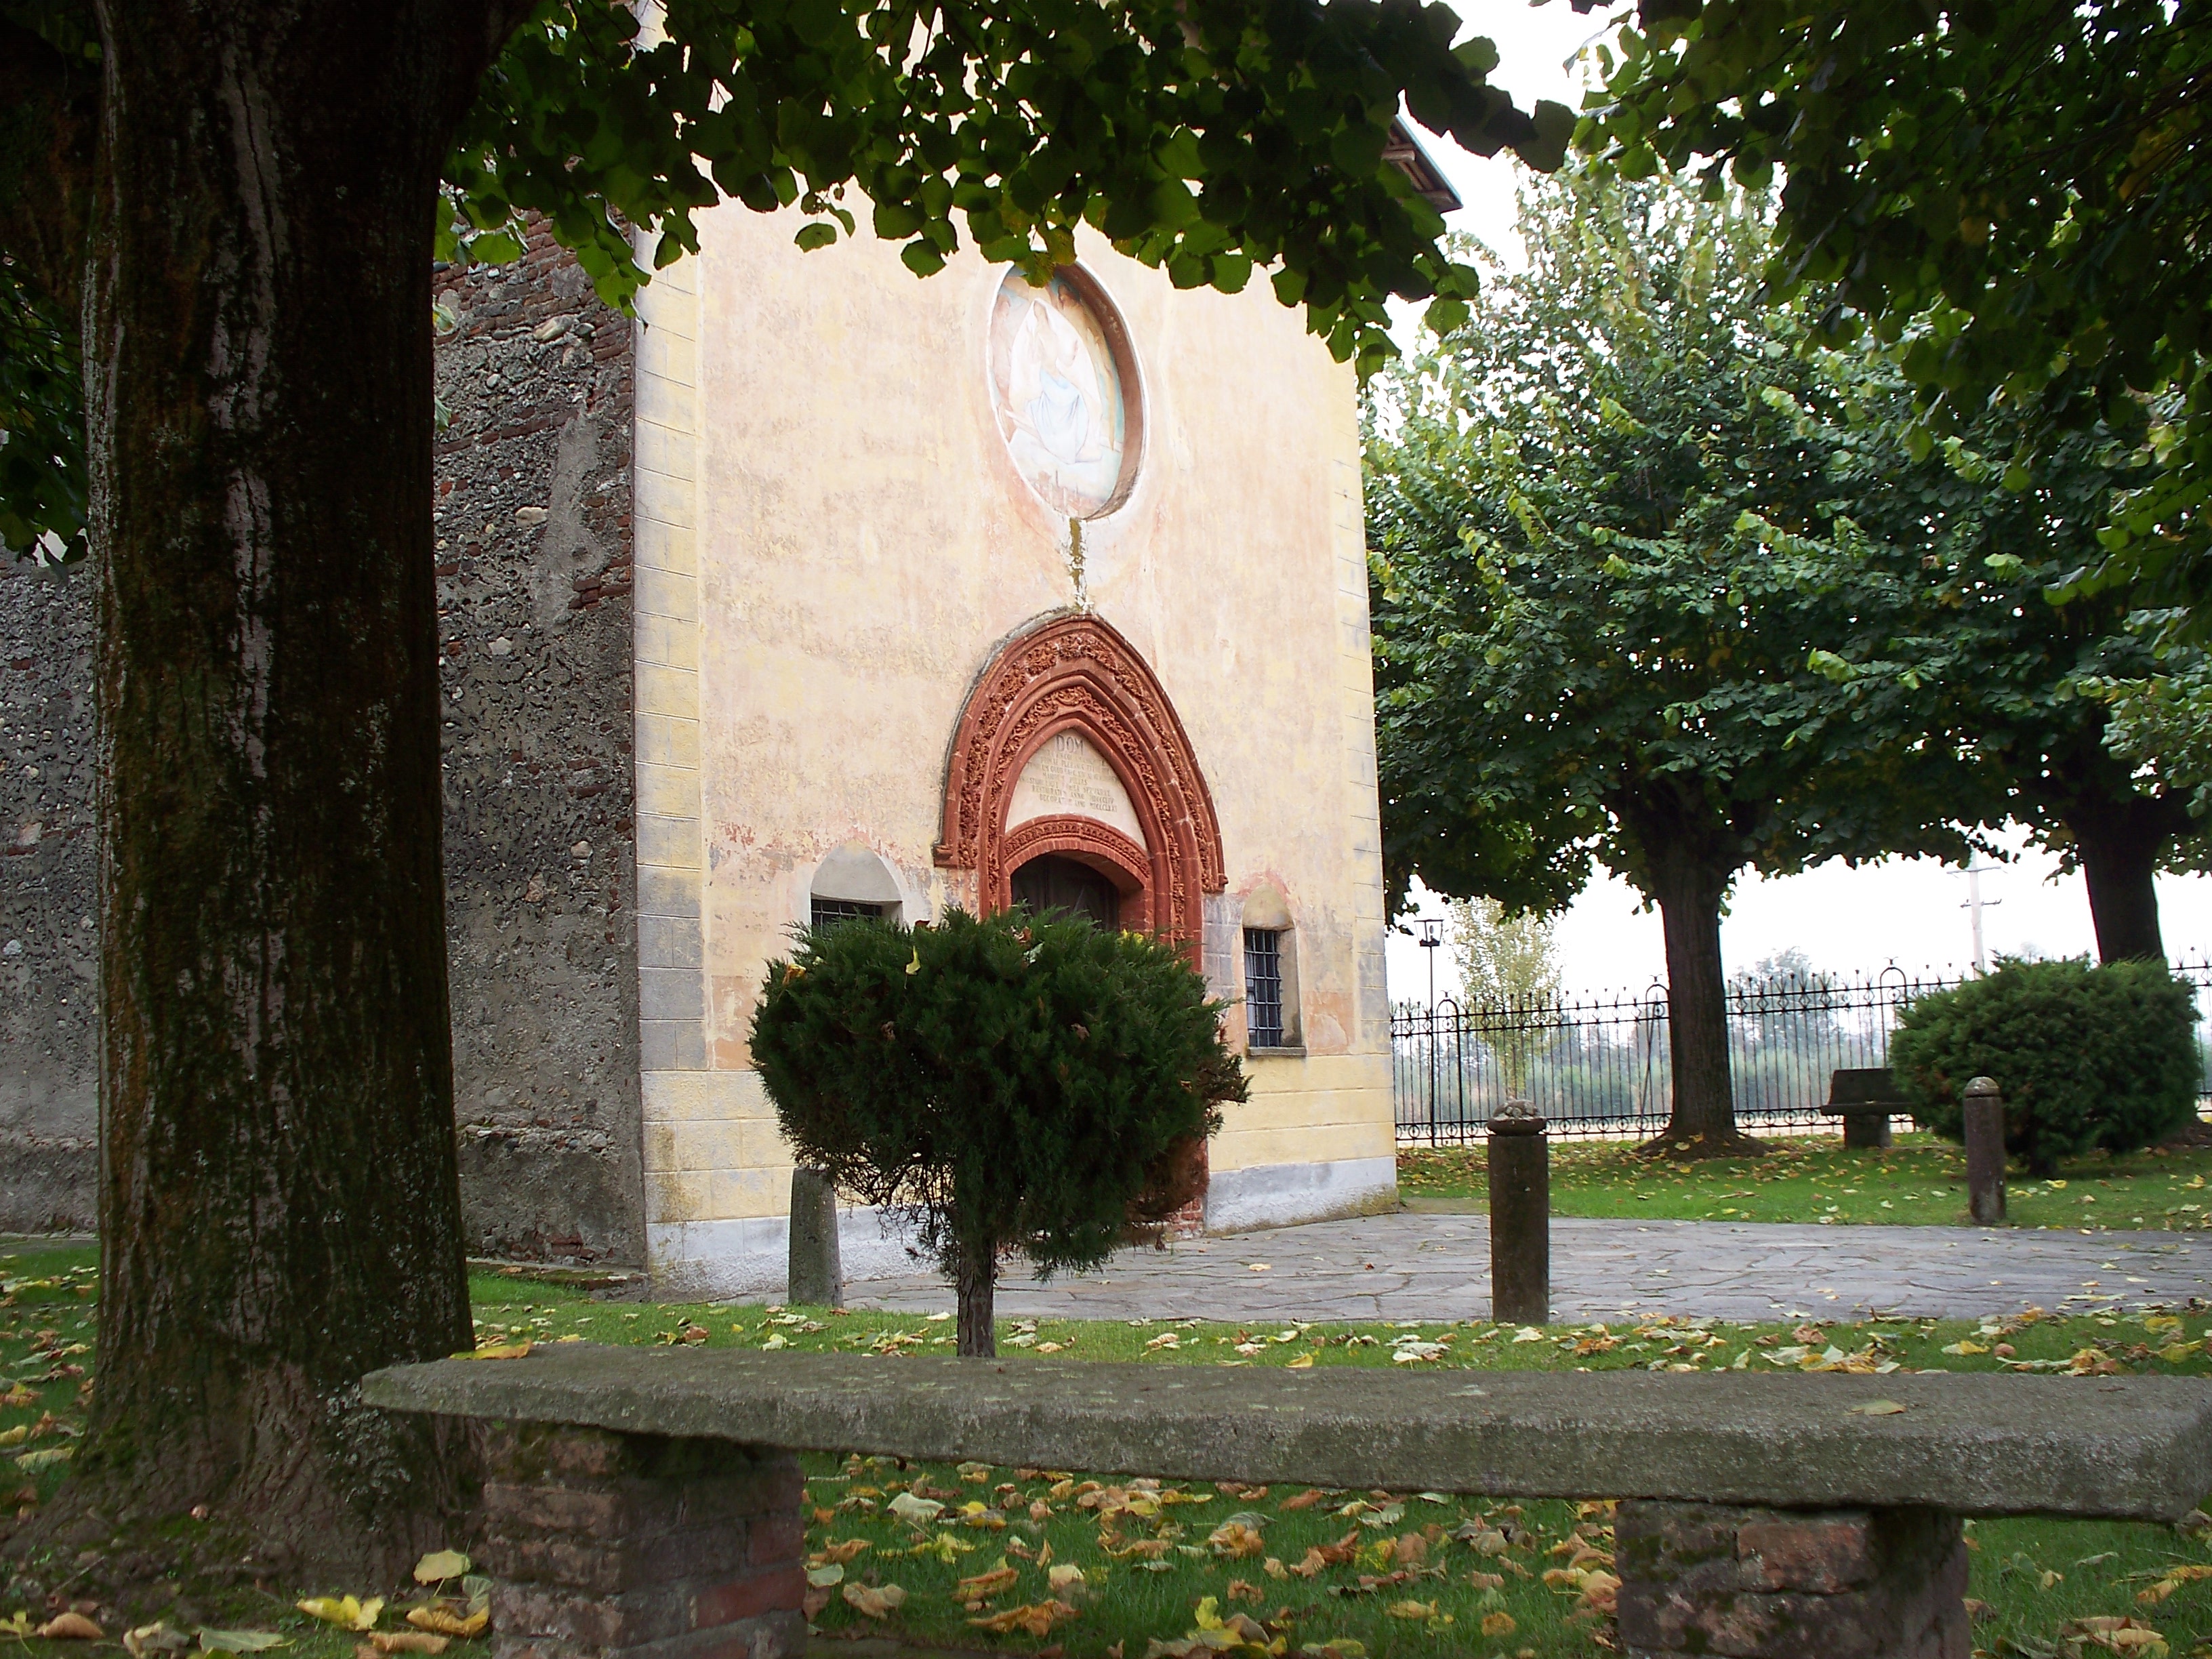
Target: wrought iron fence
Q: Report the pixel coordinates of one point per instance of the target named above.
(1600, 1067)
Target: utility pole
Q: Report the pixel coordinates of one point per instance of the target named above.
(1974, 906)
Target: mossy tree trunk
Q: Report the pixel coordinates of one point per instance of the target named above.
(279, 1205)
(1686, 874)
(2120, 844)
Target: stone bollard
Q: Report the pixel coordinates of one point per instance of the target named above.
(817, 1274)
(1520, 1217)
(1985, 1152)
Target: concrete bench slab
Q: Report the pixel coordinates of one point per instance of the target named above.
(646, 1504)
(2138, 1448)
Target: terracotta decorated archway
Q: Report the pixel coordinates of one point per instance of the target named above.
(1075, 673)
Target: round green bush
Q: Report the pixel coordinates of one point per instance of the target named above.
(2087, 1058)
(1013, 1083)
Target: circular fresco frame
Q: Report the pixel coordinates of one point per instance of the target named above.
(1023, 443)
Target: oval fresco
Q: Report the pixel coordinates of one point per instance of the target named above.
(1057, 389)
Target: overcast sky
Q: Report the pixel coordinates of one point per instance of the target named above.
(1910, 912)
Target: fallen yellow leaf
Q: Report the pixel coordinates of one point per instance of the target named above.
(1037, 1619)
(444, 1621)
(70, 1627)
(1876, 1408)
(1000, 1578)
(440, 1565)
(497, 1350)
(404, 1641)
(1498, 1624)
(346, 1611)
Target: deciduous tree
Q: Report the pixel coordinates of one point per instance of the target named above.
(1614, 522)
(233, 209)
(2018, 190)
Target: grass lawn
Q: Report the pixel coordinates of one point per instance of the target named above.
(1382, 1573)
(1920, 1181)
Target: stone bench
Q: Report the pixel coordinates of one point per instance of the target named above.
(646, 1504)
(1866, 1098)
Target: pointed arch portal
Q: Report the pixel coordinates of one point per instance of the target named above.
(1076, 673)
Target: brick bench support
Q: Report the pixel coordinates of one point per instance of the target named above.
(1767, 1583)
(606, 1546)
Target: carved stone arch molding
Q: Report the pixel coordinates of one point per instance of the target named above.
(1075, 673)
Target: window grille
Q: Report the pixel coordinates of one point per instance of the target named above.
(828, 912)
(1263, 987)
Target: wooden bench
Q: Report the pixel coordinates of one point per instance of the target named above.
(1866, 1098)
(646, 1504)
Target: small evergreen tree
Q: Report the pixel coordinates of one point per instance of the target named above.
(2087, 1058)
(1013, 1081)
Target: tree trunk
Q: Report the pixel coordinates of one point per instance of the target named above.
(975, 1280)
(2119, 844)
(1701, 1122)
(279, 1206)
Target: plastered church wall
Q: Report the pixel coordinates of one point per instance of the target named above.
(832, 539)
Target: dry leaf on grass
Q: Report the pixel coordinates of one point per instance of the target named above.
(836, 1554)
(346, 1611)
(71, 1627)
(404, 1641)
(154, 1638)
(1498, 1624)
(442, 1619)
(440, 1565)
(1036, 1620)
(241, 1641)
(872, 1602)
(999, 1578)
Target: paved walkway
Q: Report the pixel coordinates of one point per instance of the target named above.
(1437, 1266)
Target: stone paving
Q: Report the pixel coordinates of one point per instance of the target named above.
(1432, 1266)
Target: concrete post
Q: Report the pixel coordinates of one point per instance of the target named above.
(1520, 1217)
(817, 1274)
(1985, 1152)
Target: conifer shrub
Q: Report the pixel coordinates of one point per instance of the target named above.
(2087, 1058)
(1013, 1082)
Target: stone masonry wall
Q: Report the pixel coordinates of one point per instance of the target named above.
(49, 964)
(535, 378)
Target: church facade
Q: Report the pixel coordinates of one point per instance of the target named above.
(820, 591)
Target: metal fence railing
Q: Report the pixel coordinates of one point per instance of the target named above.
(1600, 1067)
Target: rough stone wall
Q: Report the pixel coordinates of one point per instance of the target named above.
(535, 379)
(49, 964)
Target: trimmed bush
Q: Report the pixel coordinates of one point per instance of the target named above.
(2087, 1058)
(1024, 1082)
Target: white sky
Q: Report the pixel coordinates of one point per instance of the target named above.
(1909, 911)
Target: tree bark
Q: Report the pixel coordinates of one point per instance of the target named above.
(279, 1205)
(1688, 889)
(975, 1280)
(2120, 844)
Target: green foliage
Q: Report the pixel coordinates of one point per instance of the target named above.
(2016, 189)
(42, 488)
(1620, 528)
(2087, 1058)
(1203, 136)
(2023, 683)
(1013, 1080)
(1206, 137)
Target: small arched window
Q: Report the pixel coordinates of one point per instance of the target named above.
(853, 883)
